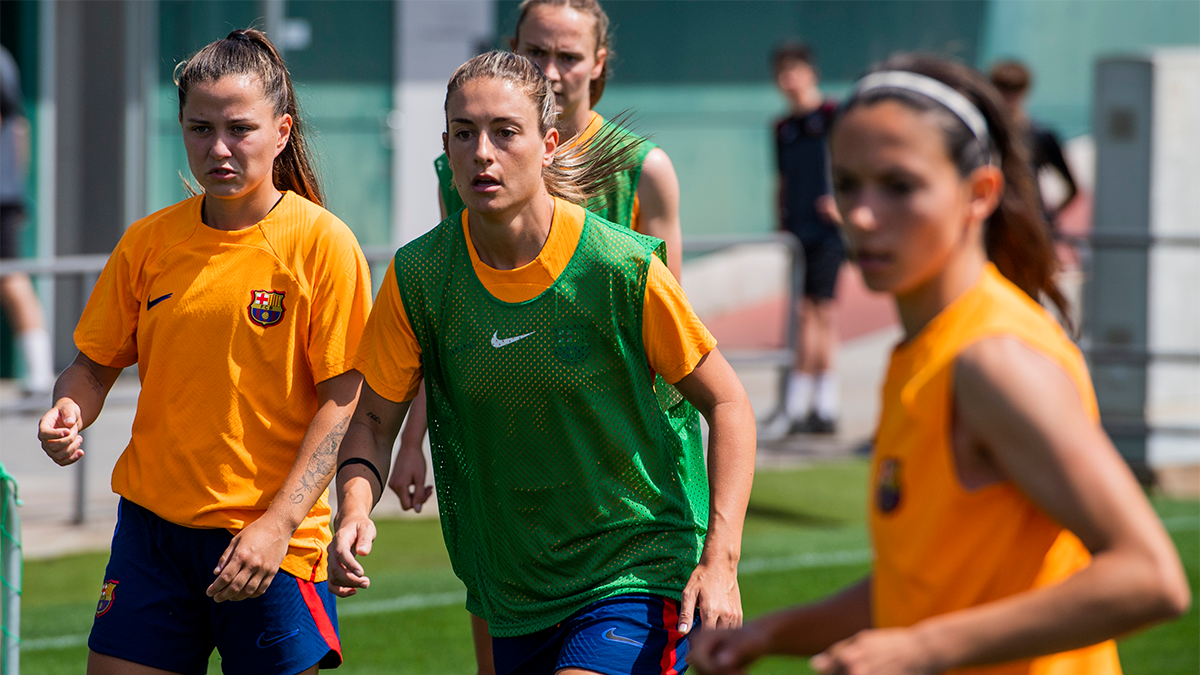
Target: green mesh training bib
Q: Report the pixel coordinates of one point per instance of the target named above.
(615, 206)
(562, 477)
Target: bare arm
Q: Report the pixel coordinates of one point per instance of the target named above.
(408, 472)
(1028, 419)
(801, 630)
(717, 393)
(79, 396)
(484, 661)
(370, 436)
(250, 562)
(658, 206)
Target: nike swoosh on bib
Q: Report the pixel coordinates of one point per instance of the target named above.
(611, 636)
(498, 343)
(263, 644)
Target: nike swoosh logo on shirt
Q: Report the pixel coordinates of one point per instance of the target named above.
(611, 636)
(267, 642)
(498, 343)
(151, 303)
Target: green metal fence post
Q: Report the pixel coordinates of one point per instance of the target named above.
(10, 575)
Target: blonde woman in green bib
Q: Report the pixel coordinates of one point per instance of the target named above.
(575, 500)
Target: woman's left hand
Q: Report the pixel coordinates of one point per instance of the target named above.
(888, 651)
(712, 591)
(250, 562)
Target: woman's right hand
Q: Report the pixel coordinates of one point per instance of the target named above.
(58, 431)
(408, 476)
(726, 652)
(353, 538)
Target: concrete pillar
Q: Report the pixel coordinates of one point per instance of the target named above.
(1143, 297)
(433, 38)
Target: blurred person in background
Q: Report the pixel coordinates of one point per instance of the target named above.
(21, 304)
(1008, 535)
(1013, 81)
(806, 209)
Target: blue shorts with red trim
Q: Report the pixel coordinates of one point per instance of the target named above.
(153, 609)
(631, 634)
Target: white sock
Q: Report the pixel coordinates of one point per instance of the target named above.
(799, 395)
(826, 395)
(39, 360)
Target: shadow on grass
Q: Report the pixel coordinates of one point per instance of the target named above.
(789, 517)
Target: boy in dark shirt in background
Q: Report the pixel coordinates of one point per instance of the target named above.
(807, 210)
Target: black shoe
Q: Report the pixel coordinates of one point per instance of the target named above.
(815, 424)
(798, 427)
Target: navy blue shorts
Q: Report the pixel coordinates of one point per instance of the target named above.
(622, 635)
(153, 609)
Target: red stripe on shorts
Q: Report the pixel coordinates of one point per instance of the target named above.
(317, 608)
(671, 623)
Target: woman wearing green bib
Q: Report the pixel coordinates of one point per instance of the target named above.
(576, 507)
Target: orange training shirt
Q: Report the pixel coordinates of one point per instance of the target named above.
(675, 339)
(231, 332)
(938, 546)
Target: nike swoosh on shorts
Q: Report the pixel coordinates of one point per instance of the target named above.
(263, 644)
(611, 636)
(498, 343)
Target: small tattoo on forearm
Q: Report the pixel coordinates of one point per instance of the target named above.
(94, 382)
(320, 465)
(374, 417)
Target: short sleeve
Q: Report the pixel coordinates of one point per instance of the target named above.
(340, 302)
(674, 336)
(389, 356)
(107, 330)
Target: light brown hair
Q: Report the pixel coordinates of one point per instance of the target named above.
(579, 171)
(250, 52)
(593, 9)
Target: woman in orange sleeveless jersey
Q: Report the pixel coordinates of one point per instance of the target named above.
(1008, 532)
(241, 308)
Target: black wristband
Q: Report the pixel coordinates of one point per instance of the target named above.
(364, 462)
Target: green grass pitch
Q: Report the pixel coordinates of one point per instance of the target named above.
(804, 538)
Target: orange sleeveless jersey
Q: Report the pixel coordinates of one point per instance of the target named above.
(939, 547)
(231, 332)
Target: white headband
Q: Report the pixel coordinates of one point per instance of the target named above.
(938, 91)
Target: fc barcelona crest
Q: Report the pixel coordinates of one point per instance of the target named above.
(266, 307)
(887, 485)
(107, 593)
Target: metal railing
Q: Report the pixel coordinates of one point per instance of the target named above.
(84, 270)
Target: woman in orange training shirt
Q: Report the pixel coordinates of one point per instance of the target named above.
(241, 308)
(1008, 532)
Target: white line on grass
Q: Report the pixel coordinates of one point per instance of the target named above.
(1181, 523)
(428, 600)
(43, 644)
(402, 603)
(803, 561)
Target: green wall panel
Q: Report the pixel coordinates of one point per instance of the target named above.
(729, 41)
(343, 83)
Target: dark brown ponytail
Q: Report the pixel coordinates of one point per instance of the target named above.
(250, 51)
(1015, 236)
